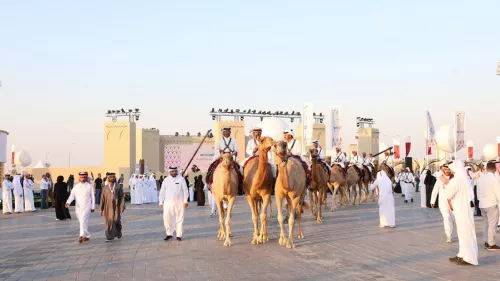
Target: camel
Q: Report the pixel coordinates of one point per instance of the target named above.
(338, 182)
(225, 187)
(290, 185)
(319, 181)
(354, 180)
(258, 184)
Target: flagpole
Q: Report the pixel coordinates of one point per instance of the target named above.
(427, 141)
(455, 134)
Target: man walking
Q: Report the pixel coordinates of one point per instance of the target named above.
(83, 193)
(488, 194)
(98, 189)
(112, 205)
(173, 199)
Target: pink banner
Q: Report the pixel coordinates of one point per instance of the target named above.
(180, 154)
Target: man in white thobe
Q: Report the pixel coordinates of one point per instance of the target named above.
(226, 144)
(459, 196)
(406, 182)
(173, 200)
(388, 159)
(145, 189)
(355, 160)
(293, 145)
(18, 194)
(154, 189)
(387, 211)
(7, 195)
(423, 191)
(131, 184)
(488, 194)
(440, 189)
(339, 157)
(252, 144)
(29, 200)
(83, 194)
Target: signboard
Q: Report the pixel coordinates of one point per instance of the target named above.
(179, 155)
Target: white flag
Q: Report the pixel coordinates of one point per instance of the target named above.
(431, 132)
(460, 129)
(307, 124)
(336, 118)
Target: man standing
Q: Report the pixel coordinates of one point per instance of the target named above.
(459, 195)
(7, 195)
(83, 193)
(439, 189)
(173, 199)
(44, 189)
(387, 211)
(112, 205)
(29, 200)
(408, 185)
(488, 194)
(98, 189)
(18, 193)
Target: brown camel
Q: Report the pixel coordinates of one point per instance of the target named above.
(319, 181)
(258, 184)
(365, 183)
(338, 182)
(225, 187)
(290, 185)
(354, 181)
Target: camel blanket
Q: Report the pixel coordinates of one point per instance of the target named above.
(211, 169)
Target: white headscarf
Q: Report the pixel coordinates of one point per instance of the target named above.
(459, 168)
(382, 175)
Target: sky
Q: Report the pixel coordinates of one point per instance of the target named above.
(63, 64)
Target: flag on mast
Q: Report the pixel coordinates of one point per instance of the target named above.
(307, 125)
(336, 116)
(408, 146)
(460, 130)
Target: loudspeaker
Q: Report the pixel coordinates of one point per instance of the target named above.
(409, 163)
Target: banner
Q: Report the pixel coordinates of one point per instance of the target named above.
(336, 117)
(429, 150)
(307, 125)
(431, 132)
(460, 130)
(13, 154)
(498, 147)
(470, 150)
(396, 148)
(408, 146)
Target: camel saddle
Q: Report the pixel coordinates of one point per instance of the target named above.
(211, 169)
(324, 165)
(342, 169)
(357, 169)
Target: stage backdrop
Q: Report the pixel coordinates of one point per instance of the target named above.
(180, 154)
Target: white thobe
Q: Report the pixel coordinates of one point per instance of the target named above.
(144, 189)
(132, 190)
(448, 217)
(154, 190)
(249, 150)
(173, 195)
(226, 145)
(458, 190)
(18, 194)
(367, 162)
(387, 211)
(251, 144)
(406, 182)
(294, 147)
(29, 201)
(389, 161)
(84, 195)
(6, 196)
(138, 191)
(340, 159)
(211, 200)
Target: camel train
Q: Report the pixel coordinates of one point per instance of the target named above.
(293, 178)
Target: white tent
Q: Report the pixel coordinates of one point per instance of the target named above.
(39, 165)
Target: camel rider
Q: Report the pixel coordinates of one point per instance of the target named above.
(367, 162)
(339, 158)
(388, 160)
(253, 144)
(321, 154)
(371, 160)
(226, 144)
(293, 145)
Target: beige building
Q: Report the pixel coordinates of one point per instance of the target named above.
(148, 148)
(368, 140)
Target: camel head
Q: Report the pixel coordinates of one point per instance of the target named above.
(227, 160)
(265, 144)
(314, 153)
(280, 148)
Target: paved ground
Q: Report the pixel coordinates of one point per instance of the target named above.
(349, 245)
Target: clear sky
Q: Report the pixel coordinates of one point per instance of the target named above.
(64, 63)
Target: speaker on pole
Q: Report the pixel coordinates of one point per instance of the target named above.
(409, 163)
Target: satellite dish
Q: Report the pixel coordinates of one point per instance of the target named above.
(490, 152)
(444, 139)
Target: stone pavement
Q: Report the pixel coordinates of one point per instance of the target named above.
(349, 245)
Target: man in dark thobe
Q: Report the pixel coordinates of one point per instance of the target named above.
(112, 205)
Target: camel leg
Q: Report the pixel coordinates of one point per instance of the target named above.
(271, 216)
(253, 208)
(228, 221)
(355, 193)
(220, 209)
(299, 216)
(291, 221)
(360, 190)
(263, 238)
(311, 202)
(279, 203)
(320, 201)
(333, 189)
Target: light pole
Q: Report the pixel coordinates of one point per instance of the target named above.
(498, 69)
